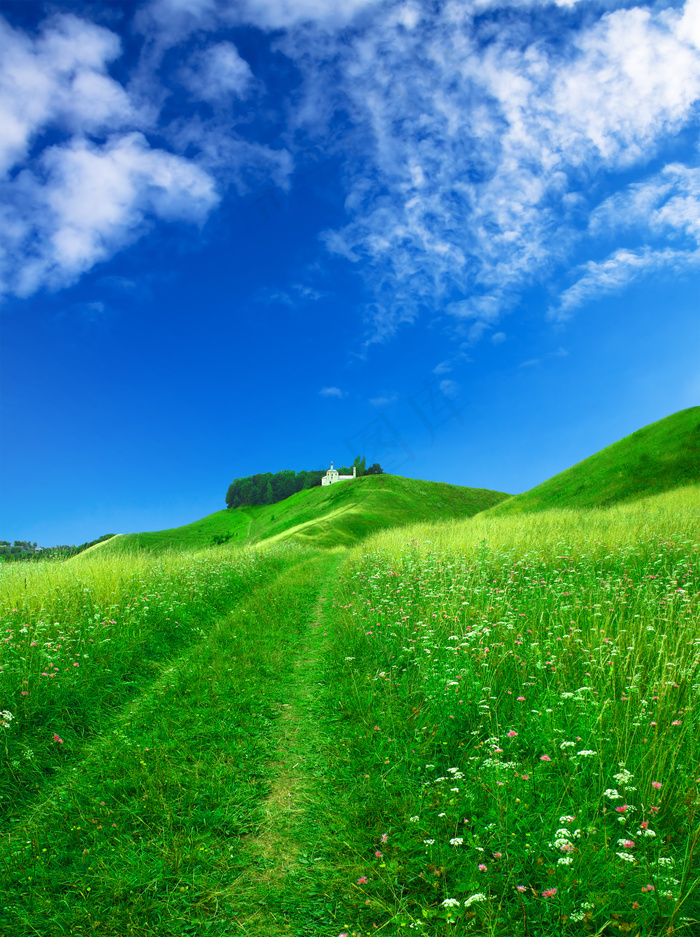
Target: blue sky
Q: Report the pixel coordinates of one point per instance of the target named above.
(460, 238)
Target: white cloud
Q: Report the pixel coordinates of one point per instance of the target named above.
(217, 72)
(57, 79)
(85, 201)
(622, 268)
(476, 152)
(332, 392)
(385, 400)
(79, 178)
(664, 212)
(168, 22)
(449, 388)
(281, 14)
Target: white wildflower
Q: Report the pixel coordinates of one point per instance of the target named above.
(474, 898)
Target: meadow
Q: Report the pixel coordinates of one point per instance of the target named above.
(484, 726)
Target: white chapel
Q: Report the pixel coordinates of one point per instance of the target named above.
(332, 476)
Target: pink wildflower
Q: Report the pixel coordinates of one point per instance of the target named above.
(482, 867)
(512, 734)
(549, 893)
(362, 880)
(545, 758)
(648, 888)
(656, 784)
(385, 837)
(622, 809)
(378, 854)
(521, 699)
(57, 738)
(520, 888)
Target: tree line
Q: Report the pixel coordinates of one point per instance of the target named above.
(24, 550)
(271, 487)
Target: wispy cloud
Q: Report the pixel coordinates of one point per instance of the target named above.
(536, 362)
(332, 392)
(298, 295)
(664, 214)
(619, 270)
(481, 139)
(385, 400)
(481, 150)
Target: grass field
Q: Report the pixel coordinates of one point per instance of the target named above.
(340, 723)
(336, 515)
(659, 457)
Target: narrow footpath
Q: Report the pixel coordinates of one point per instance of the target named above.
(274, 890)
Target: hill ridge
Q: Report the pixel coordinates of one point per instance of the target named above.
(658, 457)
(335, 515)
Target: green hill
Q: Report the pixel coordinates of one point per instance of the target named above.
(337, 515)
(657, 458)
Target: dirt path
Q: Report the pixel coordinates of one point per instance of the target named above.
(275, 855)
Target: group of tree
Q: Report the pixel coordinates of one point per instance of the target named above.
(24, 550)
(271, 487)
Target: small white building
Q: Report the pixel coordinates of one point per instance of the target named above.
(332, 476)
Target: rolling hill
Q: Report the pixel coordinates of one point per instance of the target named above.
(657, 458)
(337, 515)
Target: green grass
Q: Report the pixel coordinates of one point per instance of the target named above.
(337, 515)
(374, 711)
(142, 827)
(495, 699)
(657, 458)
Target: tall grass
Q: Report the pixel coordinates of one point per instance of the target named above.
(81, 638)
(520, 701)
(143, 828)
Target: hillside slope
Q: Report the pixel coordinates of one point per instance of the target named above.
(657, 458)
(337, 515)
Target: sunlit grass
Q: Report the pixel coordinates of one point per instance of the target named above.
(80, 638)
(521, 715)
(482, 699)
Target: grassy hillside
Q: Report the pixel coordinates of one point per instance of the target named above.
(657, 458)
(339, 515)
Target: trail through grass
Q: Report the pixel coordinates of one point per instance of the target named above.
(487, 728)
(145, 829)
